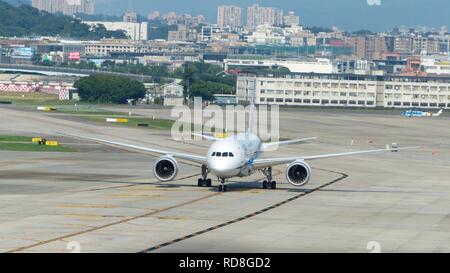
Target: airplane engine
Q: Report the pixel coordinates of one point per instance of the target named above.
(298, 173)
(165, 168)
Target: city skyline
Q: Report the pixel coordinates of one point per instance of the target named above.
(67, 7)
(373, 15)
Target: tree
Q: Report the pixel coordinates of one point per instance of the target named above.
(26, 20)
(158, 101)
(158, 29)
(204, 80)
(207, 89)
(316, 30)
(109, 89)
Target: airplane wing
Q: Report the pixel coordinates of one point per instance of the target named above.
(206, 136)
(191, 157)
(267, 146)
(264, 163)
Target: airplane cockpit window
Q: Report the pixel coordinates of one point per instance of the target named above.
(224, 154)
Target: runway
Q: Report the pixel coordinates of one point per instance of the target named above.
(107, 200)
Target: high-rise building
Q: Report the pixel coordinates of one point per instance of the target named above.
(51, 6)
(67, 7)
(257, 15)
(230, 16)
(130, 17)
(368, 47)
(403, 44)
(78, 6)
(291, 19)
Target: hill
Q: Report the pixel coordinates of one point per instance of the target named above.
(28, 21)
(18, 2)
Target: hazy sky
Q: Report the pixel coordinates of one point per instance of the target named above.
(346, 14)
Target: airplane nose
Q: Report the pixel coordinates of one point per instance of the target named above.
(222, 170)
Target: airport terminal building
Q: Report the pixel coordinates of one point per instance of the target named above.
(345, 90)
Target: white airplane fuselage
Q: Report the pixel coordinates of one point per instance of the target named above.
(233, 156)
(416, 113)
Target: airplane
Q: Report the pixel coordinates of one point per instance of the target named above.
(418, 113)
(237, 156)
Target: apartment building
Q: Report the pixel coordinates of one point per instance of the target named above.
(257, 16)
(229, 16)
(67, 7)
(426, 45)
(291, 19)
(345, 90)
(367, 47)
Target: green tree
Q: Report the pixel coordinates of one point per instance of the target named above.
(207, 89)
(109, 89)
(158, 29)
(205, 80)
(26, 20)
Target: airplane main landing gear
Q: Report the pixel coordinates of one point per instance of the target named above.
(269, 183)
(204, 181)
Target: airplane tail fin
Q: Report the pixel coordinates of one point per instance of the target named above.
(439, 113)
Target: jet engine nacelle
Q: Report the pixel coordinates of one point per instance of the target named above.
(298, 173)
(165, 168)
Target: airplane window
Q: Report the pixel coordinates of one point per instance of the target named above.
(213, 154)
(225, 155)
(231, 155)
(218, 154)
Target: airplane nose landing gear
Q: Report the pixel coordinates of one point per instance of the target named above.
(222, 186)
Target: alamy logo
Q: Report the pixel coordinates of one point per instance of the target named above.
(221, 122)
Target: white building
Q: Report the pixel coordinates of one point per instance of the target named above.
(294, 66)
(267, 35)
(291, 19)
(346, 90)
(173, 94)
(435, 66)
(136, 31)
